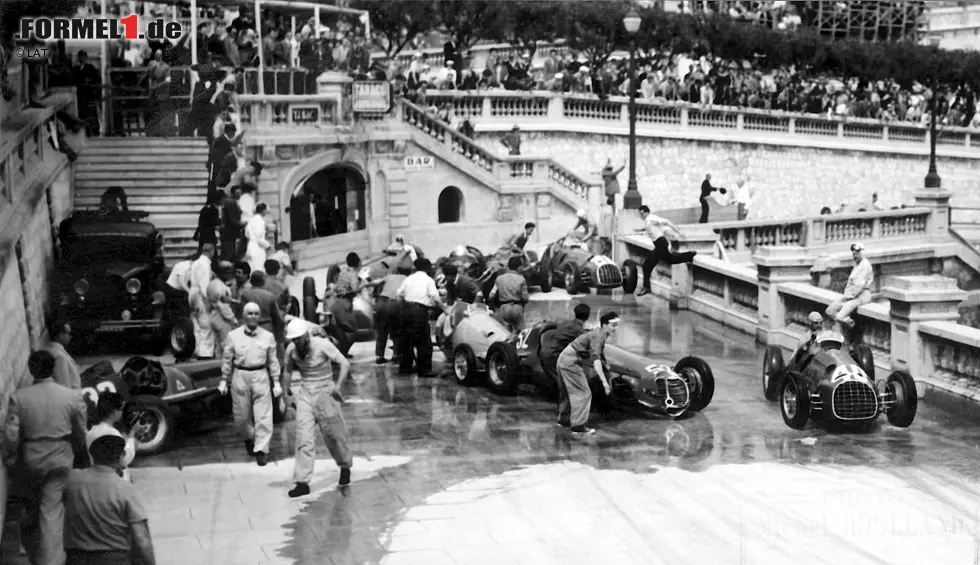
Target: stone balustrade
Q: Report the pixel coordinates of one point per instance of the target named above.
(537, 110)
(507, 170)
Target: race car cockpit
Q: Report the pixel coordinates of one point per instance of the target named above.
(830, 340)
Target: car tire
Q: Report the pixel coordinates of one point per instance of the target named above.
(160, 420)
(309, 287)
(794, 401)
(332, 273)
(338, 338)
(502, 364)
(773, 372)
(180, 338)
(464, 366)
(905, 398)
(572, 279)
(631, 276)
(865, 359)
(294, 307)
(544, 280)
(705, 392)
(532, 257)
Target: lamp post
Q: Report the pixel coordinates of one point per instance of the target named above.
(632, 199)
(932, 177)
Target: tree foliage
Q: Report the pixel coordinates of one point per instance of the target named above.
(396, 23)
(596, 28)
(472, 21)
(528, 23)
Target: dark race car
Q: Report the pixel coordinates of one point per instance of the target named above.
(498, 262)
(469, 260)
(482, 345)
(834, 384)
(569, 264)
(110, 280)
(156, 394)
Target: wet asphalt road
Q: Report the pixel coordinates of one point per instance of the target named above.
(451, 475)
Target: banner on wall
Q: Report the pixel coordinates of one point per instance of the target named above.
(420, 163)
(371, 97)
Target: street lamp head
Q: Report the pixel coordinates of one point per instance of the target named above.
(632, 22)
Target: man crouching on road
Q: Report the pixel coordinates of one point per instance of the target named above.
(250, 358)
(586, 348)
(317, 403)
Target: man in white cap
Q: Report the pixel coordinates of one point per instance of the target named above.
(250, 357)
(399, 246)
(857, 291)
(589, 231)
(317, 403)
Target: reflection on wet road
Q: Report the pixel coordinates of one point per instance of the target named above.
(451, 475)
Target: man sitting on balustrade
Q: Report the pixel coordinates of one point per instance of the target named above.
(857, 291)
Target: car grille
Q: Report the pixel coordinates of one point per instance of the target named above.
(855, 400)
(609, 275)
(676, 388)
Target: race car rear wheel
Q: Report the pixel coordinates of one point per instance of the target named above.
(502, 363)
(332, 273)
(700, 379)
(181, 338)
(905, 399)
(865, 359)
(309, 299)
(572, 278)
(773, 371)
(337, 338)
(155, 426)
(464, 365)
(631, 276)
(794, 401)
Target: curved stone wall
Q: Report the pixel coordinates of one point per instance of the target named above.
(787, 181)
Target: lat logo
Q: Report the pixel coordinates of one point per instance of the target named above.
(98, 29)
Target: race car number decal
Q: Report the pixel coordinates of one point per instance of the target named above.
(522, 339)
(92, 393)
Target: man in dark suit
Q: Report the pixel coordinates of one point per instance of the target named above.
(221, 148)
(451, 52)
(270, 316)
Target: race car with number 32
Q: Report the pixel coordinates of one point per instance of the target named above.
(834, 384)
(484, 350)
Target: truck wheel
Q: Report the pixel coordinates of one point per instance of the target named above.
(795, 401)
(155, 425)
(773, 370)
(464, 365)
(181, 338)
(905, 399)
(631, 276)
(502, 364)
(697, 372)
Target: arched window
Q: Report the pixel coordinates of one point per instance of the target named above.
(450, 205)
(332, 201)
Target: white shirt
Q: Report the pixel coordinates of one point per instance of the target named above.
(103, 429)
(255, 231)
(862, 276)
(420, 288)
(246, 202)
(201, 274)
(658, 227)
(743, 195)
(399, 247)
(180, 278)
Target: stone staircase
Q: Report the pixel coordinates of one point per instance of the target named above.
(965, 222)
(165, 177)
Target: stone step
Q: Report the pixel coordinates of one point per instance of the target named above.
(140, 160)
(142, 167)
(149, 141)
(186, 190)
(166, 201)
(113, 177)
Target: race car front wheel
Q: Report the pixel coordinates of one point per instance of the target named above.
(180, 336)
(155, 426)
(464, 365)
(904, 399)
(795, 401)
(773, 369)
(698, 373)
(631, 276)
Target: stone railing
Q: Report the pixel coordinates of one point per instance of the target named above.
(499, 110)
(310, 111)
(502, 168)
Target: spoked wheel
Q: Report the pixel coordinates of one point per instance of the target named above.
(795, 402)
(904, 399)
(464, 366)
(502, 364)
(154, 427)
(181, 338)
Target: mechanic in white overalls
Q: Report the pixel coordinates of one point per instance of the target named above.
(250, 360)
(317, 403)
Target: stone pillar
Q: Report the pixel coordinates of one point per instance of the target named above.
(917, 299)
(699, 238)
(938, 201)
(820, 273)
(777, 265)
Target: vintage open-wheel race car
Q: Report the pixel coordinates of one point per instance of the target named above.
(485, 352)
(570, 264)
(835, 385)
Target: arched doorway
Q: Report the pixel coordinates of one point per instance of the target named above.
(450, 205)
(331, 202)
